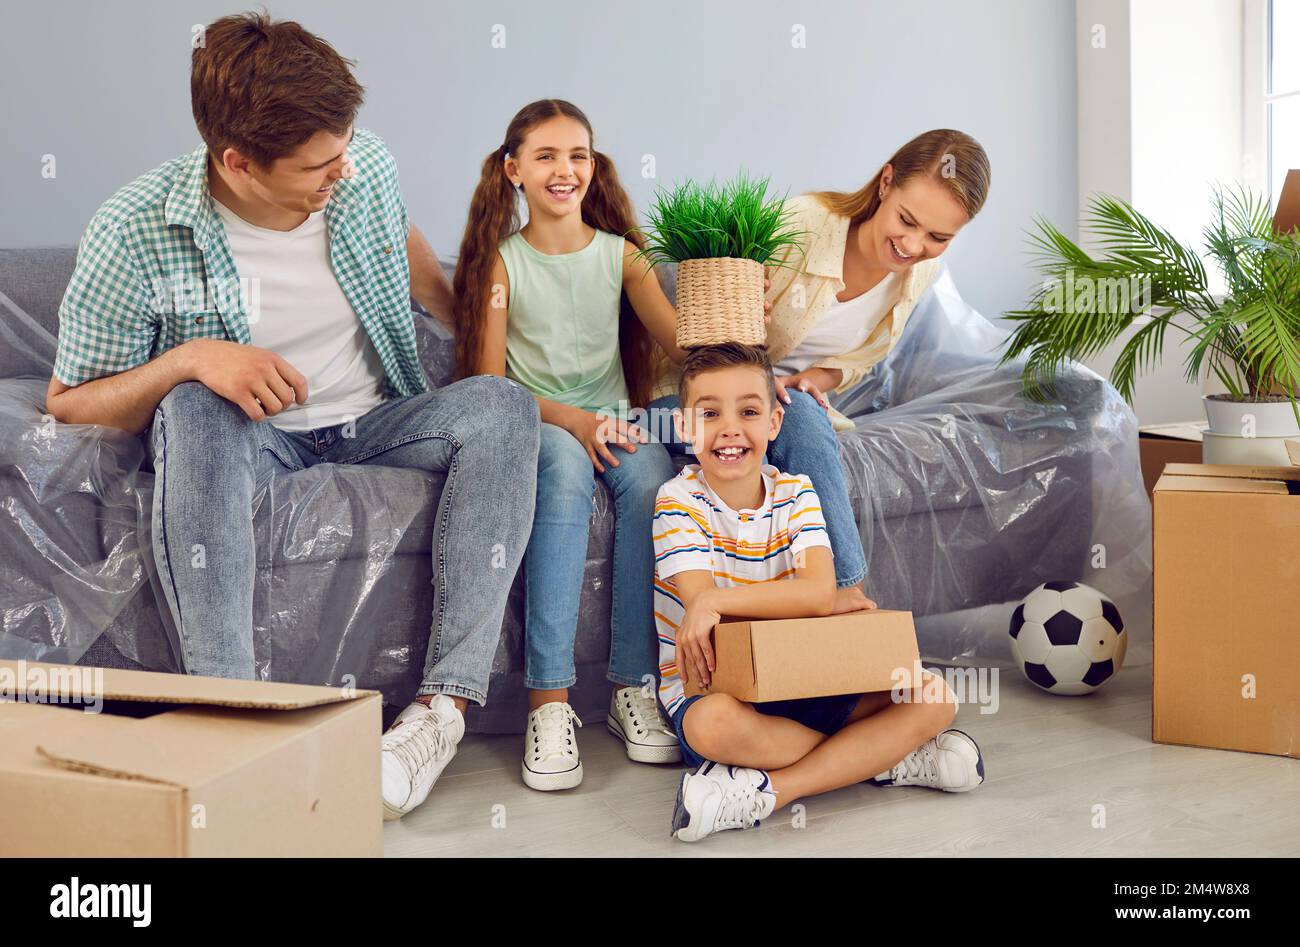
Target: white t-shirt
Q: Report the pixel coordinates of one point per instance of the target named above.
(843, 327)
(297, 310)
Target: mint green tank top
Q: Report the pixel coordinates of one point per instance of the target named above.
(562, 327)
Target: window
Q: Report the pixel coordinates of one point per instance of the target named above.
(1271, 86)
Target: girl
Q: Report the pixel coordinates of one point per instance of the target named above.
(841, 305)
(542, 305)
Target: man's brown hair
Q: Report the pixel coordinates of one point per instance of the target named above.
(264, 87)
(708, 358)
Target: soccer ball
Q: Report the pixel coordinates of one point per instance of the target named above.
(1068, 638)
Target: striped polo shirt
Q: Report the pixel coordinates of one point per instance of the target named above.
(694, 529)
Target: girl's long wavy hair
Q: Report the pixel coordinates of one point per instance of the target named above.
(494, 216)
(952, 158)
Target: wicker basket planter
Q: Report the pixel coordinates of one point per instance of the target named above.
(720, 299)
(721, 236)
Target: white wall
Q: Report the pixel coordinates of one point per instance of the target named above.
(1186, 110)
(1104, 77)
(1160, 123)
(706, 88)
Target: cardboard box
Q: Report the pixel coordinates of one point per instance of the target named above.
(1227, 608)
(788, 658)
(182, 766)
(1160, 444)
(1287, 216)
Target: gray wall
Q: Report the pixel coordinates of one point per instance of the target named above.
(704, 87)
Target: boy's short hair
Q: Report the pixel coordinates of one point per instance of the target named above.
(265, 87)
(708, 358)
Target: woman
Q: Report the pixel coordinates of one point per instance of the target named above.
(840, 307)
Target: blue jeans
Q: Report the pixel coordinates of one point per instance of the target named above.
(557, 554)
(808, 445)
(210, 460)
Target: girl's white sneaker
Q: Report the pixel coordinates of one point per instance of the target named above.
(635, 718)
(551, 758)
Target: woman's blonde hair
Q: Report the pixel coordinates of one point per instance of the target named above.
(953, 158)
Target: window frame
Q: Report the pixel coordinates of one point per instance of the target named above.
(1257, 96)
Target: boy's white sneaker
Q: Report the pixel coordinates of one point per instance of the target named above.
(415, 751)
(634, 717)
(551, 758)
(716, 797)
(952, 761)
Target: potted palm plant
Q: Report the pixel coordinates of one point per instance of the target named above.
(1249, 339)
(720, 236)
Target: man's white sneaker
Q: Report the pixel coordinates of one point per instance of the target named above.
(415, 751)
(952, 761)
(551, 758)
(715, 798)
(634, 717)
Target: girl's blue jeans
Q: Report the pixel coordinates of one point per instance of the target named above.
(557, 553)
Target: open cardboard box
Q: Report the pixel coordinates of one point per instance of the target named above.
(1227, 607)
(1160, 444)
(177, 765)
(855, 653)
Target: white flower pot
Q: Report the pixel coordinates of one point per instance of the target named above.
(1248, 432)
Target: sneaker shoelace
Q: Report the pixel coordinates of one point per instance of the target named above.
(923, 761)
(553, 732)
(741, 808)
(643, 710)
(420, 742)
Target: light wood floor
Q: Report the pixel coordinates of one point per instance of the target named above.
(1049, 762)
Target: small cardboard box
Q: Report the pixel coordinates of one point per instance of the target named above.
(184, 766)
(1227, 608)
(783, 659)
(1287, 216)
(1160, 444)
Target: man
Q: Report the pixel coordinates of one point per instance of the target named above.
(248, 303)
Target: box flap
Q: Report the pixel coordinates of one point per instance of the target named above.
(1169, 483)
(187, 747)
(1234, 470)
(23, 726)
(1182, 431)
(1226, 478)
(24, 677)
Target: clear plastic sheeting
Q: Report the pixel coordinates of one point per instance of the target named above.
(967, 496)
(72, 497)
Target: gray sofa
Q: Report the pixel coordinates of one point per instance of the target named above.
(967, 496)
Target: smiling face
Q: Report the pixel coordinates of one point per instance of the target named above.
(917, 220)
(555, 165)
(302, 181)
(729, 418)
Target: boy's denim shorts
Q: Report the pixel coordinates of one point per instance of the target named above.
(824, 714)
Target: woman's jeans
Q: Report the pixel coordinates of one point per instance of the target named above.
(557, 554)
(210, 460)
(808, 445)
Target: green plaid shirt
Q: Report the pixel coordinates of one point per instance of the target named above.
(154, 269)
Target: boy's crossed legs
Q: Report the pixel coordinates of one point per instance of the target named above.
(771, 761)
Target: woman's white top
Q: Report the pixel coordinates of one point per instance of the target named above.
(843, 327)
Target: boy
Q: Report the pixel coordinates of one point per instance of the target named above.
(734, 536)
